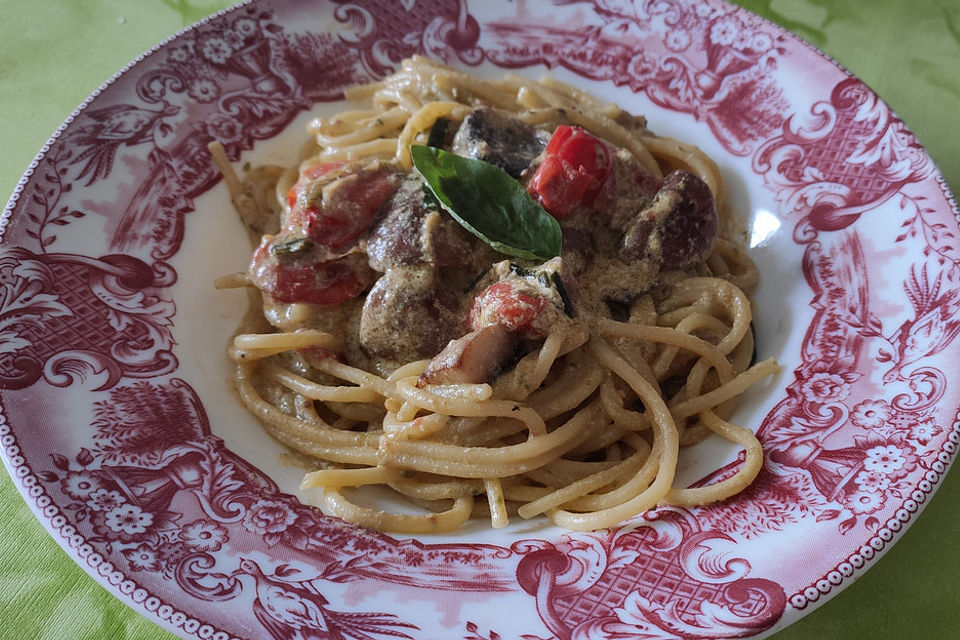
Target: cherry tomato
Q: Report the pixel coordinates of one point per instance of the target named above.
(576, 167)
(502, 304)
(349, 203)
(308, 174)
(324, 283)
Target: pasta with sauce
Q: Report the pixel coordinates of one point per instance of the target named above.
(497, 296)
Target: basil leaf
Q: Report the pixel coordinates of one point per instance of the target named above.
(489, 203)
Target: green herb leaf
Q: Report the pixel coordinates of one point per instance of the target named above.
(291, 247)
(489, 203)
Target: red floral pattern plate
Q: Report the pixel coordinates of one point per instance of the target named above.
(119, 427)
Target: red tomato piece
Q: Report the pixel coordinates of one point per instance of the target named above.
(502, 304)
(576, 167)
(324, 283)
(350, 203)
(307, 175)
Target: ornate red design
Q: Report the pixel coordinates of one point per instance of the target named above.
(385, 34)
(144, 494)
(668, 581)
(66, 315)
(844, 159)
(705, 59)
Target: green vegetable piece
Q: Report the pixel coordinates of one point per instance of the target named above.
(489, 203)
(293, 247)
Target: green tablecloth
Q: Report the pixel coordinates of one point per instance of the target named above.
(53, 53)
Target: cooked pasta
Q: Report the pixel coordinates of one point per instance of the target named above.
(493, 296)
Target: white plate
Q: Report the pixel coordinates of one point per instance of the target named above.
(121, 431)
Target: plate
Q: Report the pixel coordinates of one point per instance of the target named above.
(121, 432)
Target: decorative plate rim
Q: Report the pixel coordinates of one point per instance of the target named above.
(121, 583)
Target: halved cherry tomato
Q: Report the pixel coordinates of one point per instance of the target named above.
(502, 304)
(576, 167)
(349, 203)
(308, 174)
(323, 283)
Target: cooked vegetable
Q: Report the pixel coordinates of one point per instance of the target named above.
(576, 167)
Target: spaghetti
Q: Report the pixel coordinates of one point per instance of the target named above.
(400, 339)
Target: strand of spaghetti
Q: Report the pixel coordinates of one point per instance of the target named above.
(699, 295)
(456, 85)
(741, 270)
(725, 392)
(417, 428)
(379, 148)
(529, 100)
(667, 336)
(407, 370)
(314, 391)
(371, 414)
(448, 490)
(449, 80)
(498, 507)
(306, 410)
(404, 412)
(461, 391)
(422, 120)
(410, 102)
(537, 116)
(343, 122)
(634, 353)
(357, 376)
(667, 357)
(361, 91)
(230, 177)
(337, 478)
(602, 436)
(455, 391)
(578, 488)
(629, 489)
(316, 440)
(613, 406)
(664, 433)
(290, 340)
(742, 355)
(531, 371)
(334, 503)
(408, 392)
(609, 109)
(575, 384)
(688, 157)
(703, 322)
(741, 479)
(407, 412)
(374, 127)
(562, 471)
(485, 462)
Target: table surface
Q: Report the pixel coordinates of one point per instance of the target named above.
(53, 53)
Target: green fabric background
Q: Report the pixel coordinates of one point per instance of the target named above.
(53, 53)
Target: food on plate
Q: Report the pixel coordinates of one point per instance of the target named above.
(493, 296)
